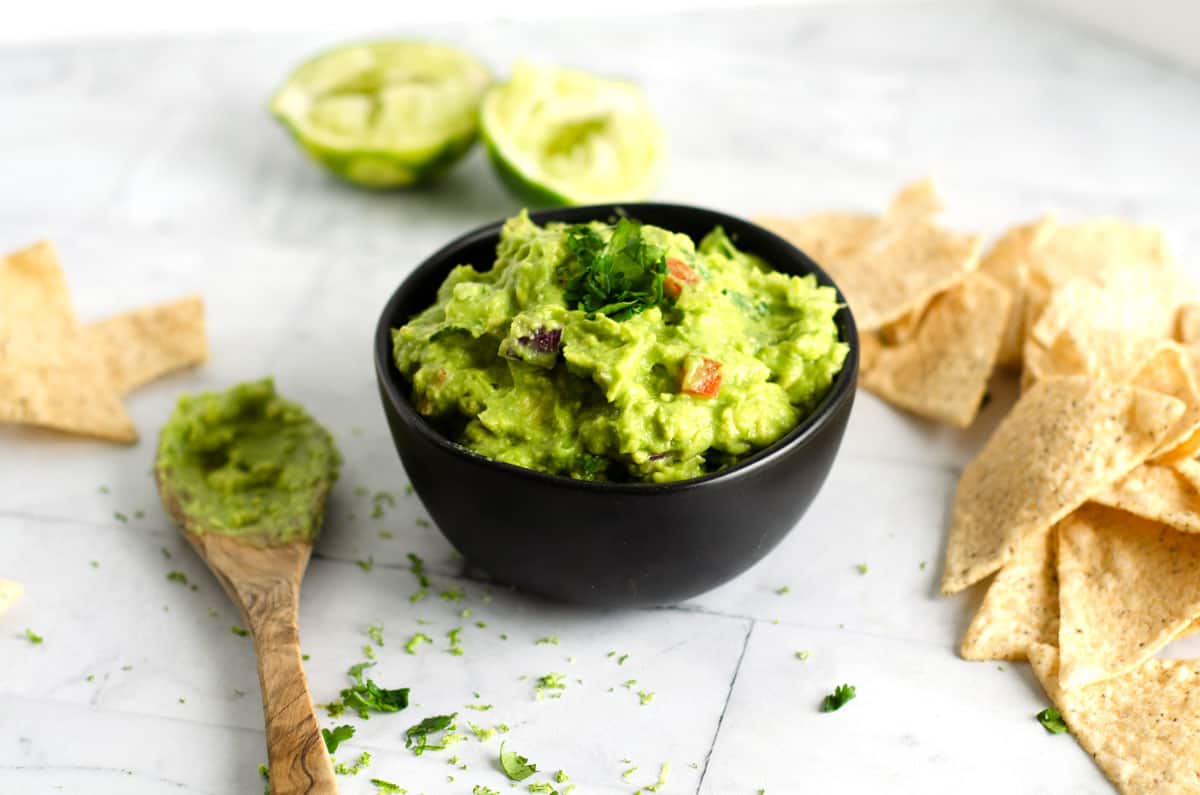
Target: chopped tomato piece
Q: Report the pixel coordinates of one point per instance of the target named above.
(678, 274)
(701, 376)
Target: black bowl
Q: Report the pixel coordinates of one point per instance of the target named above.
(612, 543)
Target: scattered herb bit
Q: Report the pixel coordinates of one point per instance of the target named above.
(126, 667)
(417, 737)
(454, 594)
(627, 773)
(481, 625)
(386, 535)
(266, 777)
(388, 787)
(368, 651)
(334, 737)
(645, 697)
(375, 633)
(479, 707)
(783, 589)
(515, 766)
(482, 733)
(419, 595)
(466, 612)
(503, 636)
(415, 641)
(104, 490)
(408, 488)
(923, 565)
(479, 789)
(139, 514)
(120, 517)
(366, 565)
(455, 641)
(803, 655)
(166, 553)
(628, 684)
(361, 491)
(238, 693)
(838, 698)
(422, 522)
(91, 678)
(182, 700)
(664, 770)
(366, 696)
(95, 564)
(560, 777)
(549, 640)
(542, 787)
(551, 681)
(241, 632)
(363, 761)
(1052, 720)
(862, 568)
(621, 660)
(177, 576)
(212, 612)
(611, 654)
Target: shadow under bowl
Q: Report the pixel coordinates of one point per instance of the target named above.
(612, 544)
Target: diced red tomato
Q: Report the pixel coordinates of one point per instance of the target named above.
(701, 377)
(678, 274)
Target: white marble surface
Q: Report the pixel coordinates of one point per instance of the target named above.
(155, 168)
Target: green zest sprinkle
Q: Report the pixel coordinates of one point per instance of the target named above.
(422, 522)
(551, 681)
(1052, 720)
(417, 737)
(177, 576)
(515, 766)
(664, 770)
(368, 651)
(33, 637)
(625, 775)
(645, 697)
(361, 491)
(482, 733)
(479, 789)
(95, 564)
(104, 490)
(862, 568)
(166, 553)
(543, 787)
(120, 517)
(560, 777)
(375, 633)
(408, 488)
(241, 632)
(455, 641)
(363, 761)
(266, 777)
(621, 660)
(479, 707)
(549, 640)
(334, 737)
(366, 565)
(418, 595)
(415, 641)
(382, 786)
(838, 698)
(454, 594)
(781, 590)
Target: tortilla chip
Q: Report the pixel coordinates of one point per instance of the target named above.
(10, 592)
(1021, 605)
(1095, 351)
(1008, 263)
(1158, 493)
(1126, 588)
(1169, 371)
(47, 377)
(1065, 440)
(886, 267)
(1187, 324)
(148, 343)
(943, 370)
(1141, 728)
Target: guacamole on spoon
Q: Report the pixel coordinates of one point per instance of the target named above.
(620, 352)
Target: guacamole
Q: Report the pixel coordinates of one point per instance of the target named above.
(248, 463)
(620, 352)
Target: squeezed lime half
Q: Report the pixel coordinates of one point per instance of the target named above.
(561, 136)
(385, 114)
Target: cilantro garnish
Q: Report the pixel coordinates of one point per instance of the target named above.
(366, 565)
(368, 651)
(549, 640)
(382, 786)
(781, 590)
(334, 737)
(479, 789)
(241, 632)
(551, 681)
(803, 655)
(417, 737)
(375, 633)
(619, 278)
(415, 641)
(455, 641)
(266, 777)
(516, 767)
(177, 576)
(366, 696)
(1052, 720)
(838, 698)
(645, 697)
(479, 707)
(33, 637)
(363, 761)
(543, 787)
(454, 594)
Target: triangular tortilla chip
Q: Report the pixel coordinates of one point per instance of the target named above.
(886, 267)
(10, 592)
(1169, 371)
(1007, 261)
(47, 377)
(1143, 728)
(1158, 493)
(1021, 605)
(942, 371)
(1064, 440)
(147, 343)
(1187, 324)
(1126, 588)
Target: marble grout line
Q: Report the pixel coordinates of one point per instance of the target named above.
(724, 707)
(124, 772)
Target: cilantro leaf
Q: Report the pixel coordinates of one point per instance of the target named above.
(363, 761)
(838, 698)
(1052, 720)
(417, 737)
(366, 696)
(618, 278)
(382, 786)
(33, 637)
(516, 767)
(335, 737)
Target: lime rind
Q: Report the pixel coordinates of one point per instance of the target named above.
(561, 136)
(385, 114)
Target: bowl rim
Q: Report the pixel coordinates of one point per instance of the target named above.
(842, 389)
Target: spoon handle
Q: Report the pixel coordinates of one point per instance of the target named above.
(300, 764)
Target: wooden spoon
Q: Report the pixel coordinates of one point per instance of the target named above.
(264, 582)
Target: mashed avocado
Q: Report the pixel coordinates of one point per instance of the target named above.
(246, 462)
(620, 352)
